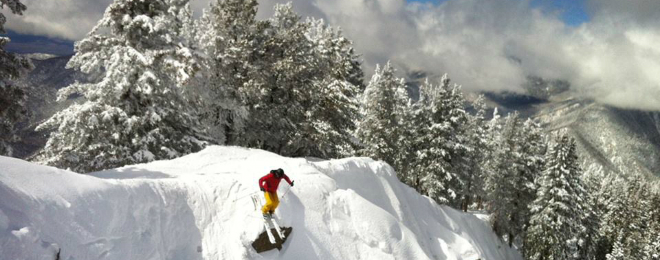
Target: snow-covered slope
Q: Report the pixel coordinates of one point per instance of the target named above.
(617, 139)
(48, 76)
(199, 207)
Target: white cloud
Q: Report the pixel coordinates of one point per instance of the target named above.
(69, 19)
(642, 12)
(494, 45)
(483, 44)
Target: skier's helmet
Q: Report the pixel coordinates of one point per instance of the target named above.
(278, 173)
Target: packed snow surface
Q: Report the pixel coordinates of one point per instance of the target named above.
(199, 207)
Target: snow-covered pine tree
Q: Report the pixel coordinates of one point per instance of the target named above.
(652, 248)
(231, 37)
(136, 110)
(330, 133)
(274, 95)
(12, 110)
(416, 125)
(471, 164)
(489, 163)
(558, 213)
(336, 52)
(611, 205)
(407, 152)
(514, 167)
(588, 235)
(381, 110)
(501, 179)
(617, 251)
(12, 96)
(627, 224)
(593, 178)
(334, 115)
(532, 148)
(298, 104)
(453, 110)
(438, 117)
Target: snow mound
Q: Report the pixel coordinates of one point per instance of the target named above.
(199, 207)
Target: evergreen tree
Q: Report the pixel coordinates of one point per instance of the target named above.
(594, 179)
(627, 224)
(299, 98)
(501, 180)
(609, 193)
(652, 249)
(12, 96)
(515, 167)
(381, 112)
(472, 164)
(136, 109)
(617, 251)
(438, 118)
(532, 150)
(232, 38)
(335, 52)
(558, 213)
(407, 152)
(334, 115)
(278, 94)
(489, 164)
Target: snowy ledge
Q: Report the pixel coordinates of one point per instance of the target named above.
(199, 207)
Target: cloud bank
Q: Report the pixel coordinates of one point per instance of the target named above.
(613, 58)
(494, 45)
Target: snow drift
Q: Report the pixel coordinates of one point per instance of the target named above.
(199, 207)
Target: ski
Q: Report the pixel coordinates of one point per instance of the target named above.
(256, 201)
(271, 237)
(277, 227)
(269, 222)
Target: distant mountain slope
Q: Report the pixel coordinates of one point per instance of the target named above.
(619, 140)
(48, 76)
(39, 56)
(199, 207)
(52, 73)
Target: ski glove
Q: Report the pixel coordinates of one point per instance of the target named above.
(292, 183)
(262, 189)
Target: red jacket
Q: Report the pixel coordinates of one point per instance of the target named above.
(270, 182)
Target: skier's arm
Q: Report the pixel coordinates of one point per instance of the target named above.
(288, 180)
(261, 182)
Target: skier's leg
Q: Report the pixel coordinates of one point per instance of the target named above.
(269, 203)
(276, 202)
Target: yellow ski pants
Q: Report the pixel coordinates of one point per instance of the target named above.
(271, 202)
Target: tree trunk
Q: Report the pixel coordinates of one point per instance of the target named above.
(467, 197)
(510, 239)
(466, 203)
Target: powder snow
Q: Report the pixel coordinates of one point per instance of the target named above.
(199, 207)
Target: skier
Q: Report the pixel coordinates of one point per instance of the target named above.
(268, 184)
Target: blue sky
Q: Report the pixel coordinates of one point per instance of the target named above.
(573, 12)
